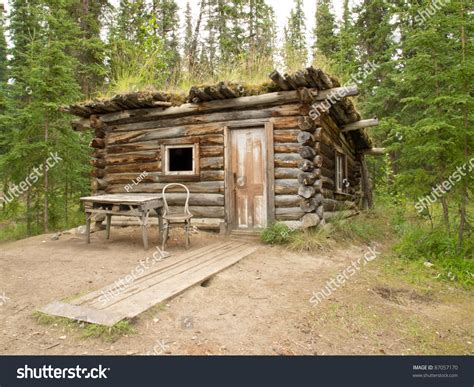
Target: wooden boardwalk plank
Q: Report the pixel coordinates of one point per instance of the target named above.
(159, 267)
(167, 279)
(163, 276)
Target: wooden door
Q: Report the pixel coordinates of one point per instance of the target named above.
(249, 178)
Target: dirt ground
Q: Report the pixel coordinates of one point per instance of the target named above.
(259, 306)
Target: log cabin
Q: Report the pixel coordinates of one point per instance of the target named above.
(291, 150)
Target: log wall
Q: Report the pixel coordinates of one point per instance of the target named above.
(128, 158)
(127, 151)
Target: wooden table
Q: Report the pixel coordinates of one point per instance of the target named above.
(138, 205)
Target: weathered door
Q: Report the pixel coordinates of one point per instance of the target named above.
(249, 179)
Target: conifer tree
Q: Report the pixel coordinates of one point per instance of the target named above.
(326, 42)
(295, 52)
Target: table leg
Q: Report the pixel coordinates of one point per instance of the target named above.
(144, 230)
(109, 221)
(88, 227)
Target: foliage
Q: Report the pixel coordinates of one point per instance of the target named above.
(276, 234)
(295, 52)
(437, 248)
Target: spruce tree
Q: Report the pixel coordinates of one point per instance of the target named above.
(43, 74)
(326, 42)
(295, 53)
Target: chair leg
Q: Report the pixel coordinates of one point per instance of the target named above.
(165, 235)
(109, 220)
(186, 227)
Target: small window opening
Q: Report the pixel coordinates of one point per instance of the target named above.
(180, 159)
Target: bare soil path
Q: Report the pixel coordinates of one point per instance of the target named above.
(259, 306)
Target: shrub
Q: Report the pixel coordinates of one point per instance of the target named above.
(439, 249)
(277, 234)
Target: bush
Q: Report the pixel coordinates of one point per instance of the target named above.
(277, 234)
(439, 249)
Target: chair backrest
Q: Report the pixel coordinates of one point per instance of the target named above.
(165, 203)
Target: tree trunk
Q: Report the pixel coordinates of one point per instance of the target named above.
(46, 178)
(444, 203)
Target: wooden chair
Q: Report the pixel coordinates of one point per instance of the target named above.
(172, 218)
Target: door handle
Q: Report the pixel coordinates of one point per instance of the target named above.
(240, 181)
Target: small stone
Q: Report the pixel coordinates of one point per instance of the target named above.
(62, 337)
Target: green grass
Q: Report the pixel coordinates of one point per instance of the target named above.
(367, 227)
(277, 234)
(86, 330)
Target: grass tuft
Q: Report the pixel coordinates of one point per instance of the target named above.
(87, 330)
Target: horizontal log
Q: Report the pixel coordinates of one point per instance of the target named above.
(286, 186)
(166, 133)
(211, 151)
(293, 213)
(212, 163)
(287, 200)
(194, 187)
(134, 157)
(200, 223)
(280, 115)
(195, 199)
(286, 173)
(205, 107)
(210, 140)
(287, 160)
(285, 135)
(205, 211)
(291, 147)
(134, 168)
(360, 125)
(132, 147)
(212, 175)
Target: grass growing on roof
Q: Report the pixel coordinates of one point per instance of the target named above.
(87, 330)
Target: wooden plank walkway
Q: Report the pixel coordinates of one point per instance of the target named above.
(166, 279)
